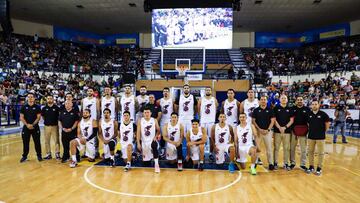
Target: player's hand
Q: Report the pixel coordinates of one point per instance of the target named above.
(282, 130)
(189, 144)
(177, 144)
(29, 126)
(158, 137)
(106, 141)
(187, 158)
(139, 147)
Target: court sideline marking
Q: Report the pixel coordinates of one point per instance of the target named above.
(158, 196)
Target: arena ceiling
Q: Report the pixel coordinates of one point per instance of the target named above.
(117, 16)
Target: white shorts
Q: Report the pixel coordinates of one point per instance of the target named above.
(164, 121)
(244, 153)
(207, 127)
(89, 147)
(107, 149)
(171, 152)
(195, 153)
(147, 151)
(186, 123)
(220, 155)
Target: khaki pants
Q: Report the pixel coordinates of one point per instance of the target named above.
(52, 131)
(267, 139)
(285, 139)
(320, 147)
(294, 141)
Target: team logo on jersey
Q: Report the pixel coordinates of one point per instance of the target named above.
(126, 108)
(221, 137)
(165, 111)
(86, 134)
(147, 130)
(172, 135)
(126, 138)
(207, 108)
(244, 139)
(88, 106)
(251, 111)
(229, 113)
(107, 105)
(186, 105)
(107, 133)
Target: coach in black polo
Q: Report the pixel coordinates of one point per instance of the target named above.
(319, 123)
(263, 118)
(30, 115)
(68, 119)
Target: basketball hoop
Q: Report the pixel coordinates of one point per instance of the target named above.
(181, 69)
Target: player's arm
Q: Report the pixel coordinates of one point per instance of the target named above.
(212, 143)
(81, 106)
(199, 107)
(188, 141)
(236, 142)
(137, 107)
(98, 108)
(176, 105)
(158, 132)
(203, 138)
(117, 107)
(231, 134)
(165, 133)
(138, 135)
(79, 131)
(181, 135)
(222, 110)
(120, 107)
(116, 132)
(196, 106)
(241, 109)
(216, 103)
(256, 135)
(100, 135)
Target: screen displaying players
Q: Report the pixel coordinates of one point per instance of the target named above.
(210, 28)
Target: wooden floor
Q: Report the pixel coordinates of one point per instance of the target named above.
(51, 181)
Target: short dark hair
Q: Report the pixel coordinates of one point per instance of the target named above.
(186, 85)
(88, 110)
(174, 113)
(147, 108)
(107, 109)
(195, 120)
(30, 93)
(69, 94)
(126, 112)
(231, 90)
(143, 86)
(49, 95)
(90, 88)
(166, 88)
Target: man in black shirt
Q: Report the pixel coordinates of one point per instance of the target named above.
(263, 118)
(154, 108)
(68, 119)
(50, 114)
(319, 123)
(283, 122)
(30, 115)
(299, 132)
(70, 97)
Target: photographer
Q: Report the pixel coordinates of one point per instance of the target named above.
(340, 114)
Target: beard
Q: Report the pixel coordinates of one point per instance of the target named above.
(142, 93)
(86, 117)
(208, 95)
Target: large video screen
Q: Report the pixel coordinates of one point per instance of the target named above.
(210, 28)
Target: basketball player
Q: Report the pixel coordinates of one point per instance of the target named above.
(222, 139)
(167, 107)
(108, 132)
(127, 135)
(207, 108)
(230, 107)
(91, 103)
(129, 103)
(173, 134)
(196, 138)
(142, 99)
(110, 102)
(244, 144)
(86, 133)
(147, 135)
(185, 105)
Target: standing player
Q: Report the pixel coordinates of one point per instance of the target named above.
(230, 107)
(142, 99)
(86, 133)
(185, 105)
(129, 103)
(222, 139)
(127, 135)
(108, 132)
(207, 108)
(196, 138)
(244, 144)
(167, 107)
(173, 134)
(91, 103)
(109, 102)
(147, 134)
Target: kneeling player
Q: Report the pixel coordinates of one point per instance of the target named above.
(127, 133)
(173, 134)
(244, 133)
(196, 139)
(86, 132)
(108, 131)
(222, 141)
(147, 136)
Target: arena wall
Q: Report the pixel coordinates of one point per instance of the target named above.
(30, 28)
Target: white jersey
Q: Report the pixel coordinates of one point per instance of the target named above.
(142, 101)
(245, 135)
(166, 109)
(222, 135)
(207, 110)
(249, 108)
(128, 104)
(109, 104)
(148, 130)
(232, 112)
(126, 133)
(197, 137)
(186, 107)
(173, 132)
(107, 129)
(86, 128)
(91, 105)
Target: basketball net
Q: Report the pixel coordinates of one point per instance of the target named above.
(182, 68)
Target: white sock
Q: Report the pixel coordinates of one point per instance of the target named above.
(128, 163)
(252, 166)
(112, 157)
(179, 161)
(156, 161)
(73, 157)
(201, 161)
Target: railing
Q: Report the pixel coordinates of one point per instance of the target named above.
(9, 115)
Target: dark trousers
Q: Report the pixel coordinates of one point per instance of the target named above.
(154, 147)
(65, 139)
(26, 134)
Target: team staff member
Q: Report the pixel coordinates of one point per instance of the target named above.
(70, 97)
(263, 119)
(30, 115)
(50, 114)
(284, 120)
(299, 132)
(319, 123)
(154, 108)
(68, 120)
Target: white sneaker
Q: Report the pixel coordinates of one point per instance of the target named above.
(127, 167)
(73, 164)
(157, 168)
